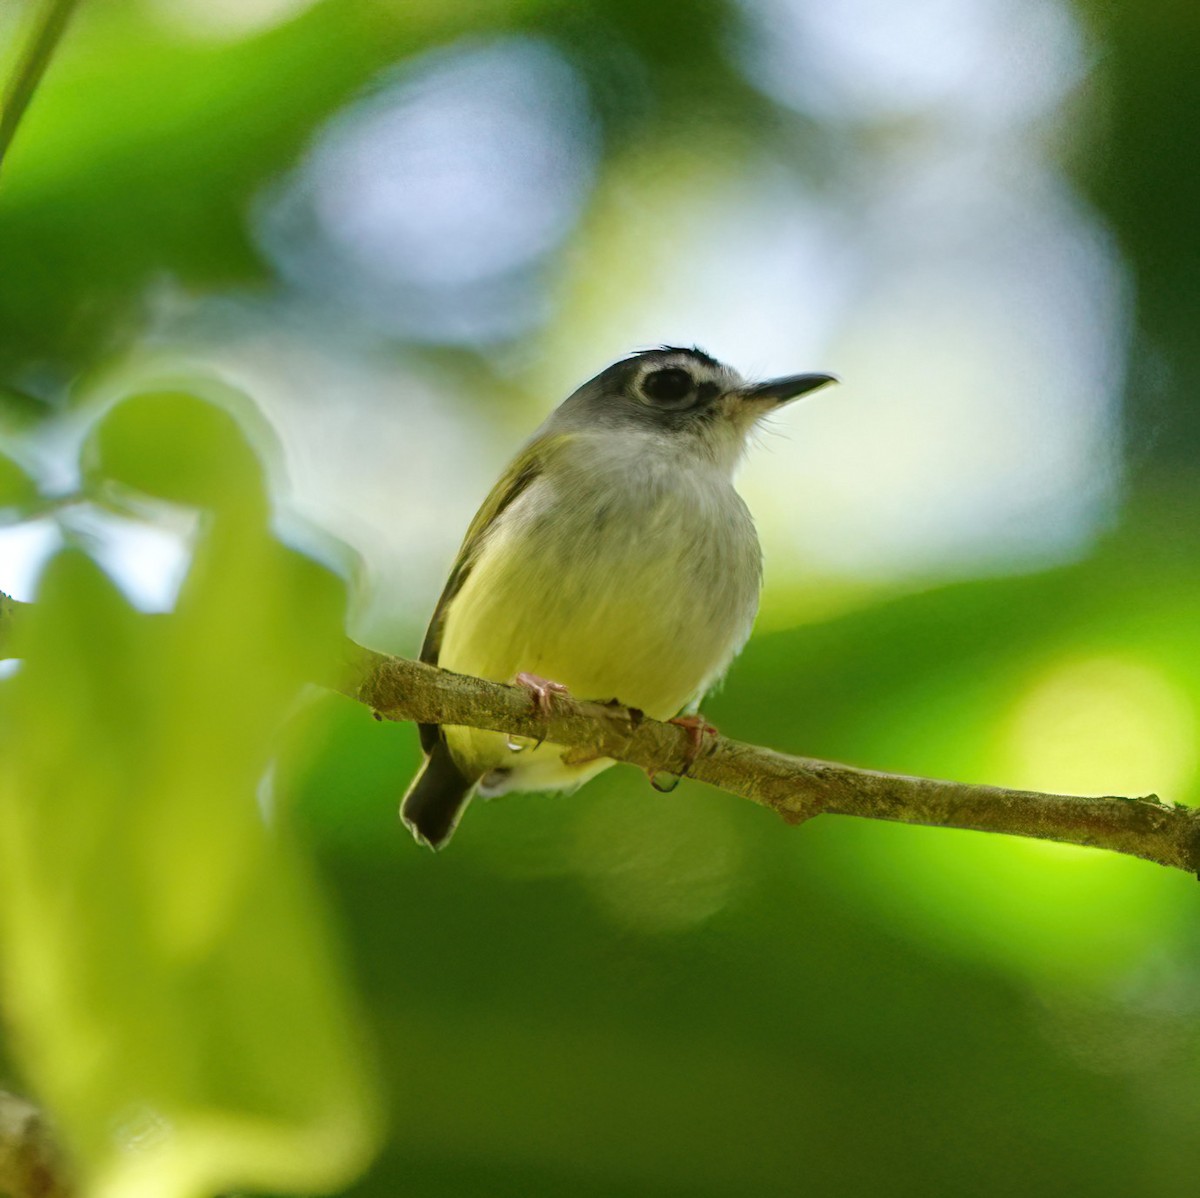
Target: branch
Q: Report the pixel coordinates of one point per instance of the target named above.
(797, 788)
(30, 1164)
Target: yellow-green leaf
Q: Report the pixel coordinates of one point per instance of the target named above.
(166, 966)
(16, 487)
(175, 446)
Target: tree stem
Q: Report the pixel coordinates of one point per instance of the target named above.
(798, 788)
(31, 67)
(30, 1163)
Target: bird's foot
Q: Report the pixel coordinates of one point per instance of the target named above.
(697, 728)
(542, 692)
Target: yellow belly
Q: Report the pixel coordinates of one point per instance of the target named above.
(628, 610)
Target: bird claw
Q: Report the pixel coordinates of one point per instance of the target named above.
(697, 729)
(541, 692)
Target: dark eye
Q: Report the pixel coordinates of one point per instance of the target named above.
(667, 385)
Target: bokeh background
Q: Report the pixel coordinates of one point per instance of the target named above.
(387, 237)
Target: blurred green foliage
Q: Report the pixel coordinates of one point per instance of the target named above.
(168, 975)
(17, 489)
(621, 993)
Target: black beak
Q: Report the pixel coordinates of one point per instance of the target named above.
(793, 386)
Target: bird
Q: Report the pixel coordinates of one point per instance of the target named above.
(613, 560)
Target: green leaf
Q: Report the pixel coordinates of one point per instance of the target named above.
(175, 446)
(16, 487)
(167, 970)
(18, 409)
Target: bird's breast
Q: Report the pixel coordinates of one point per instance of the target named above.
(628, 578)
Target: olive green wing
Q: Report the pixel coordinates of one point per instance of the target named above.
(530, 464)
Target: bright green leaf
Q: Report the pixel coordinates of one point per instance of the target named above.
(175, 446)
(167, 968)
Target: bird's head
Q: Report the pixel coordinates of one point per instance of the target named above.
(682, 393)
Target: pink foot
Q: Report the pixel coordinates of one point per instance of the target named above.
(542, 692)
(698, 728)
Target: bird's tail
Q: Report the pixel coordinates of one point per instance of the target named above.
(437, 798)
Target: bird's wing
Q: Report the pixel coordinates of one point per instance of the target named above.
(525, 468)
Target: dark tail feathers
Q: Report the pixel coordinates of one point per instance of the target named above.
(437, 798)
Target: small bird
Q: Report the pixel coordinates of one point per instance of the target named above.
(613, 560)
